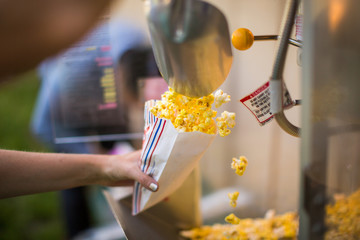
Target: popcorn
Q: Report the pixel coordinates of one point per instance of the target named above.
(231, 218)
(276, 227)
(239, 165)
(233, 197)
(227, 119)
(189, 114)
(270, 214)
(221, 98)
(343, 217)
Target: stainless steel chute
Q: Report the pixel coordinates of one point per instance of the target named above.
(191, 43)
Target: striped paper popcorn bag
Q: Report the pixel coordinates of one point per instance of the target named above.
(168, 155)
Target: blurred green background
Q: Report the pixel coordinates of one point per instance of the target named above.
(35, 216)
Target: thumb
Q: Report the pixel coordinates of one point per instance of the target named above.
(146, 181)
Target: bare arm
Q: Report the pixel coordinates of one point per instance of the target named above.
(28, 172)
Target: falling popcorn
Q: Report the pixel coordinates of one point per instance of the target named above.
(231, 218)
(239, 165)
(189, 114)
(227, 119)
(221, 98)
(233, 198)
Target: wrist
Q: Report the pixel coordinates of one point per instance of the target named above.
(96, 168)
(105, 167)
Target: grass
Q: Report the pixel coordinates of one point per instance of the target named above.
(34, 216)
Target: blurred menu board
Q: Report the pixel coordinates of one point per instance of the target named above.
(87, 105)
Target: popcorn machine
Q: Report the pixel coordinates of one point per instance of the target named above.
(330, 123)
(309, 166)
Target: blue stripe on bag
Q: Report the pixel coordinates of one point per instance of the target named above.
(150, 120)
(137, 186)
(151, 145)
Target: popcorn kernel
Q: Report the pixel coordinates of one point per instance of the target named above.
(221, 98)
(233, 198)
(239, 165)
(231, 218)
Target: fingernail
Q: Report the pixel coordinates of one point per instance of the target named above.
(153, 187)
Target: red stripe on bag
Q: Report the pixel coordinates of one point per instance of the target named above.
(153, 149)
(138, 194)
(148, 165)
(152, 131)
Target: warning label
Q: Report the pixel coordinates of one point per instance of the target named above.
(258, 102)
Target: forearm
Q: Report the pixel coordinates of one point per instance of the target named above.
(28, 172)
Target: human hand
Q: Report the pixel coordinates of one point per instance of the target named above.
(122, 170)
(31, 172)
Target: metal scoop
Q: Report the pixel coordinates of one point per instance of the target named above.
(191, 44)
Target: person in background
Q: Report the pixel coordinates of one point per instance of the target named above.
(142, 80)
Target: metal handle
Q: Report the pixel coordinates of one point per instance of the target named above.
(294, 42)
(243, 39)
(276, 79)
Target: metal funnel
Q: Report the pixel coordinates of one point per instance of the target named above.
(191, 44)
